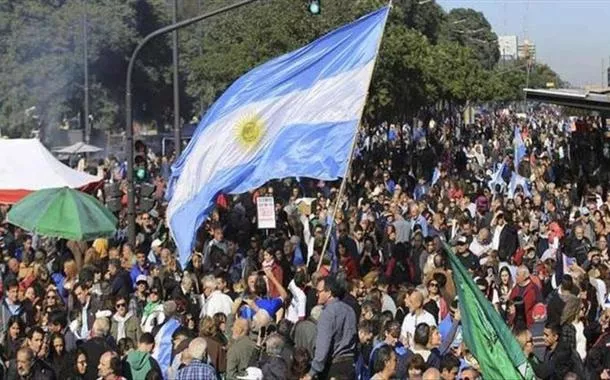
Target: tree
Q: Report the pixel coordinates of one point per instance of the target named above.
(470, 28)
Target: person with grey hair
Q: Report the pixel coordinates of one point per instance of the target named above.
(528, 291)
(215, 301)
(305, 331)
(96, 346)
(197, 369)
(274, 367)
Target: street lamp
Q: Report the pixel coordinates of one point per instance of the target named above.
(177, 127)
(85, 63)
(131, 206)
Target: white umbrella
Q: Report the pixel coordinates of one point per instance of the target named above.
(79, 147)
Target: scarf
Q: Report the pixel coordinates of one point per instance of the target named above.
(150, 308)
(120, 328)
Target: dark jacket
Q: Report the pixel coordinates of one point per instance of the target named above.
(95, 348)
(121, 284)
(509, 242)
(40, 371)
(275, 368)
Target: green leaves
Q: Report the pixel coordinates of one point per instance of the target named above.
(426, 55)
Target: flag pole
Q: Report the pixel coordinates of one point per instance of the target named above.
(329, 227)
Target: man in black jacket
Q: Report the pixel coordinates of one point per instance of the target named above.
(96, 346)
(559, 358)
(119, 278)
(505, 238)
(29, 368)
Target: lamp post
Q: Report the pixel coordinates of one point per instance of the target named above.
(177, 134)
(85, 62)
(131, 206)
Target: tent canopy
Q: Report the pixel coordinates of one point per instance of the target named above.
(26, 166)
(78, 148)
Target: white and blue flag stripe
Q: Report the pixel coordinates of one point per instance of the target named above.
(295, 115)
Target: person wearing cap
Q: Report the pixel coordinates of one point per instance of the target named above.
(252, 373)
(140, 269)
(138, 299)
(469, 260)
(537, 329)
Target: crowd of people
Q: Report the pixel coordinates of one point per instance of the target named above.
(379, 303)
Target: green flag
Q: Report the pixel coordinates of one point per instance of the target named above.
(485, 333)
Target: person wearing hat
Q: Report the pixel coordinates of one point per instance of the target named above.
(138, 299)
(467, 258)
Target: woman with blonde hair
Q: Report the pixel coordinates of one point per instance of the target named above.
(92, 256)
(71, 276)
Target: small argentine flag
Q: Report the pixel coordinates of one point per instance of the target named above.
(296, 115)
(517, 180)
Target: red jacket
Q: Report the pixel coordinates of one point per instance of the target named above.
(531, 296)
(351, 269)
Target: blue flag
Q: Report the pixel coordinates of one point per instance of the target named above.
(295, 115)
(519, 148)
(332, 245)
(163, 345)
(496, 179)
(517, 180)
(436, 175)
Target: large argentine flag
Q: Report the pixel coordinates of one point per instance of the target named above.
(295, 115)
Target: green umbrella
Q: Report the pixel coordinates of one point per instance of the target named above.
(63, 213)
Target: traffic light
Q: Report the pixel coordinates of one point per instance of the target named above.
(112, 194)
(145, 201)
(314, 7)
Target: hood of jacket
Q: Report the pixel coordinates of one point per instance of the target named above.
(139, 364)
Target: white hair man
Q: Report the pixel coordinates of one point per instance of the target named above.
(215, 301)
(197, 368)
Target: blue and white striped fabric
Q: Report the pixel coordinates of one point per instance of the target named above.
(517, 180)
(295, 115)
(436, 175)
(519, 148)
(496, 179)
(164, 345)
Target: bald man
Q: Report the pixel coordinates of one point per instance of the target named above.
(110, 366)
(241, 351)
(431, 374)
(416, 316)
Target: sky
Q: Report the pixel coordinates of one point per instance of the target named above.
(571, 36)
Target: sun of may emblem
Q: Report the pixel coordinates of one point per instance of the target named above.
(250, 130)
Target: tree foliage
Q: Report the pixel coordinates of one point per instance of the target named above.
(426, 55)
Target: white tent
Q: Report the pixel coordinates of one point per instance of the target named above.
(78, 148)
(26, 166)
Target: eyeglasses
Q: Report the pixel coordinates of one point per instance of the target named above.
(119, 305)
(433, 285)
